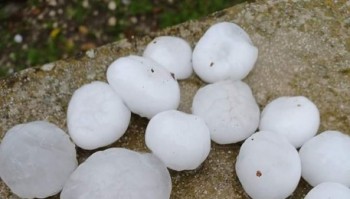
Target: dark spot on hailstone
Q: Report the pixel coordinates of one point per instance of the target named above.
(152, 70)
(155, 42)
(172, 75)
(298, 105)
(211, 64)
(258, 173)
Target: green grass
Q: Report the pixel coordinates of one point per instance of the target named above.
(50, 48)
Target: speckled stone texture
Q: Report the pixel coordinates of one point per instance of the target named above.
(304, 49)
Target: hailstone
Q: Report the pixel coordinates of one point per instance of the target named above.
(36, 159)
(268, 166)
(229, 109)
(96, 116)
(180, 140)
(174, 53)
(225, 51)
(296, 117)
(329, 190)
(146, 87)
(326, 158)
(118, 173)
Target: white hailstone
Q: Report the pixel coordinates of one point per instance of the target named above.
(229, 109)
(174, 53)
(268, 166)
(180, 140)
(329, 190)
(96, 116)
(295, 117)
(145, 86)
(224, 51)
(18, 38)
(36, 159)
(326, 158)
(118, 173)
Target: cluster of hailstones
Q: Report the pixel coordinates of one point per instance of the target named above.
(37, 159)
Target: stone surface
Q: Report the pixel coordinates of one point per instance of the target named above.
(303, 50)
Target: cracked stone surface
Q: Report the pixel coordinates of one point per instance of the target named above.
(304, 49)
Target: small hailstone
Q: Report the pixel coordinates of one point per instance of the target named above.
(48, 66)
(180, 140)
(174, 53)
(90, 53)
(224, 51)
(112, 5)
(96, 116)
(229, 109)
(326, 158)
(18, 38)
(119, 173)
(295, 117)
(36, 159)
(329, 190)
(146, 87)
(268, 166)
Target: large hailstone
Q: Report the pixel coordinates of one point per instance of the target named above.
(36, 159)
(118, 173)
(146, 87)
(329, 190)
(96, 116)
(229, 109)
(174, 53)
(297, 118)
(180, 140)
(326, 158)
(268, 166)
(224, 51)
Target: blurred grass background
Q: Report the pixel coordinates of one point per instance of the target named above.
(34, 32)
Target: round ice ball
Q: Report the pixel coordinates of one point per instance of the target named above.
(229, 109)
(268, 166)
(326, 158)
(96, 116)
(174, 53)
(118, 173)
(180, 140)
(224, 51)
(36, 159)
(146, 87)
(295, 117)
(329, 190)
